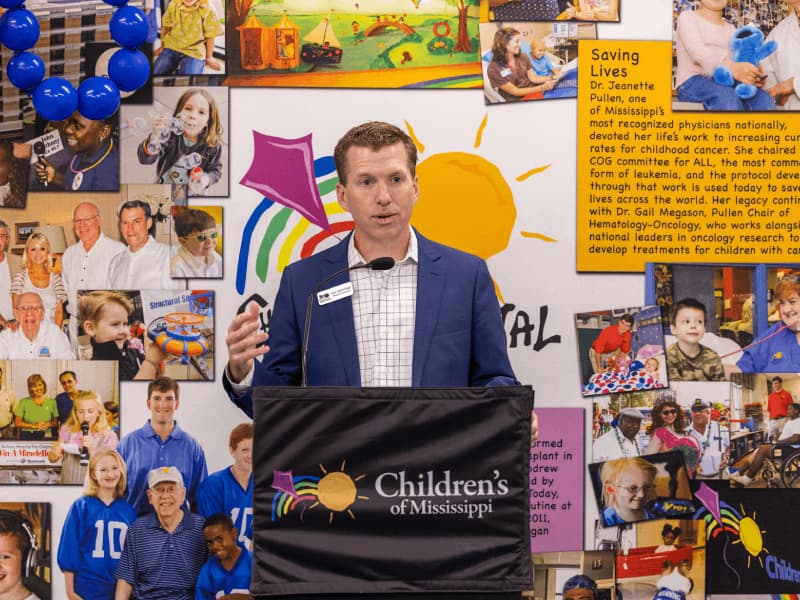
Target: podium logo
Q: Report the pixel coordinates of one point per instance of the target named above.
(335, 491)
(432, 493)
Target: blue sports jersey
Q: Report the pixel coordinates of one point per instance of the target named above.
(221, 493)
(215, 580)
(91, 544)
(144, 450)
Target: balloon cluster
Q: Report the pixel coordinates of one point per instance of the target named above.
(55, 98)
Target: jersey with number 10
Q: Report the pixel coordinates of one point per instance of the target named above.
(221, 493)
(91, 544)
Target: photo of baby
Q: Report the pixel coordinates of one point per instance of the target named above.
(621, 350)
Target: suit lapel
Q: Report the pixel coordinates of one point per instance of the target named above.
(340, 316)
(430, 287)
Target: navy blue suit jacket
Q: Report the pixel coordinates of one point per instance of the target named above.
(458, 334)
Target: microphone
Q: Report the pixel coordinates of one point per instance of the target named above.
(84, 449)
(384, 263)
(38, 148)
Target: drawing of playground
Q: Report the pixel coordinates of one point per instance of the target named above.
(342, 43)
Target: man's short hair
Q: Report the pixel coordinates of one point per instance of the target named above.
(60, 375)
(243, 431)
(190, 220)
(135, 204)
(627, 318)
(685, 303)
(777, 378)
(219, 519)
(163, 384)
(373, 135)
(4, 225)
(796, 407)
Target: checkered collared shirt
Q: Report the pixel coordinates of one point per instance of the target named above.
(384, 312)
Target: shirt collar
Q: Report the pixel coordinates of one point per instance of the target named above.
(355, 259)
(150, 432)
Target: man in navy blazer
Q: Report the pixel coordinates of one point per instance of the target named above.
(457, 331)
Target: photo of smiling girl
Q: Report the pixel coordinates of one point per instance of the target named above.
(187, 146)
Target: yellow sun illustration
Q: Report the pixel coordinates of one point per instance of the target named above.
(337, 491)
(750, 537)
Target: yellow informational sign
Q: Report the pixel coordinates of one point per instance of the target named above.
(658, 185)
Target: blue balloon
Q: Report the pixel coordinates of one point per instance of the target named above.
(98, 98)
(11, 3)
(25, 70)
(129, 69)
(116, 2)
(55, 99)
(19, 29)
(128, 26)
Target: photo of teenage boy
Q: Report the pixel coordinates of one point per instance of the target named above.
(687, 358)
(777, 350)
(226, 574)
(230, 491)
(752, 465)
(104, 316)
(613, 340)
(164, 550)
(17, 542)
(64, 400)
(196, 255)
(161, 442)
(94, 531)
(35, 337)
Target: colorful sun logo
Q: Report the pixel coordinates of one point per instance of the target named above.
(335, 490)
(465, 202)
(743, 527)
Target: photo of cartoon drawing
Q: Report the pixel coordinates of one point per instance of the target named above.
(342, 43)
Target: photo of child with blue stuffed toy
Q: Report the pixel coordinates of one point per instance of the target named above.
(734, 57)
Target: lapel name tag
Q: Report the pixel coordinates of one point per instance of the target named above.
(335, 293)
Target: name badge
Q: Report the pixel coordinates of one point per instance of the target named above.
(335, 293)
(505, 72)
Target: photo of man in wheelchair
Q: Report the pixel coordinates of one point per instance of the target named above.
(777, 463)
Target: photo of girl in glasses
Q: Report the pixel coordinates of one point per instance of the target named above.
(200, 243)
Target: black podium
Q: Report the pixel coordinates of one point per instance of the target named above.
(391, 492)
